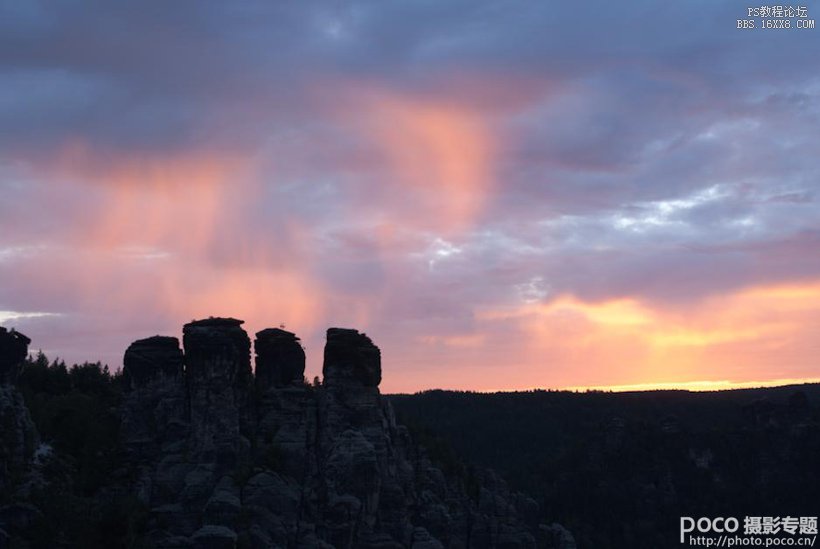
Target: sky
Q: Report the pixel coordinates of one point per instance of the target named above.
(502, 194)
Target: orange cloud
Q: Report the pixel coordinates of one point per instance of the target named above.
(176, 201)
(441, 155)
(167, 236)
(466, 341)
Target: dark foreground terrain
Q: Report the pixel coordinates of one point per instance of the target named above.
(619, 469)
(188, 448)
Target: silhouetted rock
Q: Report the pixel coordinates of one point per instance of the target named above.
(154, 411)
(286, 464)
(217, 353)
(152, 359)
(351, 356)
(218, 370)
(18, 436)
(13, 351)
(280, 359)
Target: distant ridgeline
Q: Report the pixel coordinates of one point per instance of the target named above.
(210, 455)
(620, 469)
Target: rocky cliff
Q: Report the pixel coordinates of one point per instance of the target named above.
(18, 436)
(225, 458)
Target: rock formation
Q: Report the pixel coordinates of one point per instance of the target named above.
(13, 351)
(155, 397)
(280, 359)
(218, 371)
(351, 357)
(226, 459)
(18, 436)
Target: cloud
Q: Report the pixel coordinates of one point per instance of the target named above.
(501, 194)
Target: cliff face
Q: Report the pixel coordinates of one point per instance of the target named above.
(18, 436)
(226, 459)
(156, 398)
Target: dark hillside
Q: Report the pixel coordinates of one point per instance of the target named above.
(619, 469)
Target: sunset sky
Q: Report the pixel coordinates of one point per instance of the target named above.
(502, 194)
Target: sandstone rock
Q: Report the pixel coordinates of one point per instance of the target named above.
(13, 351)
(255, 537)
(169, 477)
(154, 412)
(280, 359)
(423, 540)
(146, 360)
(284, 409)
(214, 537)
(224, 506)
(286, 421)
(435, 517)
(352, 468)
(217, 354)
(510, 536)
(270, 491)
(351, 356)
(17, 518)
(378, 541)
(355, 453)
(225, 459)
(310, 541)
(555, 536)
(18, 436)
(199, 484)
(217, 366)
(350, 399)
(163, 541)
